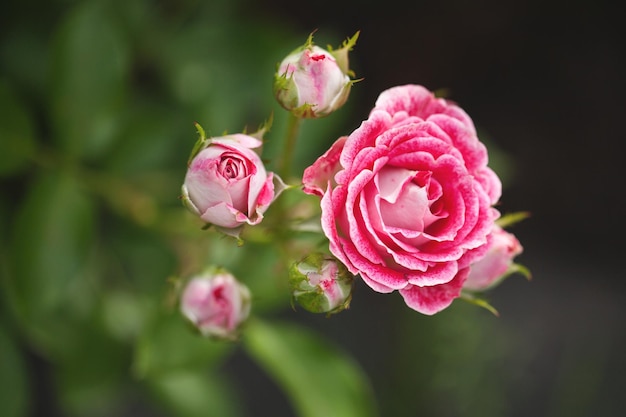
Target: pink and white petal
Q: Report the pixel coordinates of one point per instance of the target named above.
(474, 152)
(431, 300)
(419, 101)
(364, 136)
(240, 197)
(375, 283)
(266, 194)
(490, 182)
(357, 228)
(414, 99)
(317, 177)
(437, 274)
(205, 190)
(238, 140)
(222, 214)
(333, 201)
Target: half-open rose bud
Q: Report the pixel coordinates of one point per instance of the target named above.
(216, 303)
(226, 183)
(321, 284)
(503, 247)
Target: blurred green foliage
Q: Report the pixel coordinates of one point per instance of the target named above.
(98, 103)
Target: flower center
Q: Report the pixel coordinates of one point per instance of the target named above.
(232, 166)
(408, 200)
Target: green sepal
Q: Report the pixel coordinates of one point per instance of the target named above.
(200, 143)
(510, 219)
(263, 129)
(234, 232)
(480, 302)
(184, 198)
(341, 54)
(306, 111)
(516, 268)
(285, 91)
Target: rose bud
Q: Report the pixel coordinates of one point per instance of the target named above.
(226, 182)
(321, 284)
(503, 247)
(216, 304)
(313, 82)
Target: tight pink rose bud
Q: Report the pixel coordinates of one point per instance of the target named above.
(503, 247)
(321, 284)
(216, 303)
(313, 82)
(226, 182)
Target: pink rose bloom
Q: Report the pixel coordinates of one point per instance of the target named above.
(310, 83)
(407, 198)
(227, 185)
(503, 247)
(216, 304)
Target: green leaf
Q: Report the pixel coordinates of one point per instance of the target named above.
(188, 393)
(14, 389)
(170, 344)
(155, 139)
(49, 276)
(93, 372)
(16, 132)
(90, 63)
(320, 380)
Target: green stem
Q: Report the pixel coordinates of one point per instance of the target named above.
(287, 156)
(279, 221)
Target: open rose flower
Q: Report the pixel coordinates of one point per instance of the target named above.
(407, 198)
(216, 304)
(503, 247)
(227, 185)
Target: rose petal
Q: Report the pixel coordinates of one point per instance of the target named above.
(318, 176)
(432, 299)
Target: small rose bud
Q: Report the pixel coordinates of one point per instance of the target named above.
(216, 303)
(497, 263)
(226, 182)
(312, 82)
(321, 284)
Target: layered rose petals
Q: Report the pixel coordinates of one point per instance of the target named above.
(409, 207)
(227, 185)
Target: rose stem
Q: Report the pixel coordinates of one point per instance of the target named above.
(293, 127)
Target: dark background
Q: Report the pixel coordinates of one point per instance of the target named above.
(544, 83)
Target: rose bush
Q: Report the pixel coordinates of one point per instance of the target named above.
(227, 185)
(407, 197)
(215, 303)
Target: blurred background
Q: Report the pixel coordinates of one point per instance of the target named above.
(98, 100)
